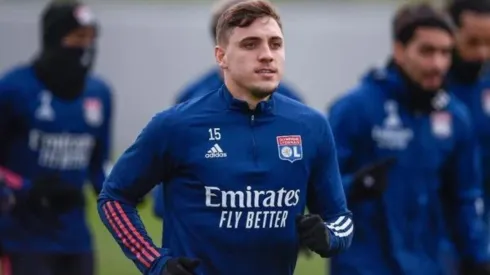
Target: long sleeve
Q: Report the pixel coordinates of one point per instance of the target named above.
(7, 117)
(463, 174)
(326, 194)
(14, 182)
(13, 188)
(100, 157)
(347, 131)
(136, 172)
(7, 126)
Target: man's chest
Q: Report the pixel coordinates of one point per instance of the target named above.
(60, 134)
(45, 112)
(415, 140)
(250, 148)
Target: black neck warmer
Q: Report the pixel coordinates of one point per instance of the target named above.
(419, 99)
(64, 70)
(463, 71)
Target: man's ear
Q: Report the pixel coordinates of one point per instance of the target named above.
(398, 52)
(219, 54)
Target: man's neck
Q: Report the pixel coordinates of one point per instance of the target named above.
(243, 94)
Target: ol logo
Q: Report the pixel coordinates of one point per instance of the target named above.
(290, 148)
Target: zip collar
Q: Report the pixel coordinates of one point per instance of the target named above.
(263, 107)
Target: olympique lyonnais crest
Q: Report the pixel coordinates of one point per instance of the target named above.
(441, 124)
(93, 112)
(290, 148)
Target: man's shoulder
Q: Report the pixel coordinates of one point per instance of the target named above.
(17, 75)
(459, 111)
(357, 97)
(186, 111)
(17, 81)
(208, 82)
(296, 111)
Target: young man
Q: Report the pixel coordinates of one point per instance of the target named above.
(466, 81)
(400, 140)
(55, 133)
(468, 84)
(211, 81)
(239, 167)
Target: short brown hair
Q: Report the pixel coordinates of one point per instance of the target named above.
(410, 17)
(218, 9)
(243, 15)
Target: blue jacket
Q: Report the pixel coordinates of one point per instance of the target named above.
(400, 233)
(211, 81)
(476, 96)
(41, 135)
(234, 181)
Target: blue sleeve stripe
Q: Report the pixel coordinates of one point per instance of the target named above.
(134, 242)
(342, 227)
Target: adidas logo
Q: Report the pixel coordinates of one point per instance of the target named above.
(215, 152)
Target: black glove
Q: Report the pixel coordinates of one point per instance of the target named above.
(48, 198)
(181, 266)
(371, 181)
(468, 268)
(313, 234)
(51, 192)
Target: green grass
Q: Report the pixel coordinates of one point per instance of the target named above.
(112, 261)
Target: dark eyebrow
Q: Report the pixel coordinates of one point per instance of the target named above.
(250, 38)
(256, 38)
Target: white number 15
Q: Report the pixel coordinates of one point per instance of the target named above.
(214, 134)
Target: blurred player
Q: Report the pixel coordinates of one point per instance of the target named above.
(399, 137)
(7, 197)
(54, 131)
(239, 167)
(468, 84)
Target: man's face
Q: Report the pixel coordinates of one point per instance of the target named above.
(427, 57)
(473, 37)
(82, 37)
(254, 56)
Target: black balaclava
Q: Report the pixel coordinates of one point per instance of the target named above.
(63, 70)
(464, 71)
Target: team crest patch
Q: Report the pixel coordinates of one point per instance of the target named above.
(93, 111)
(441, 124)
(290, 148)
